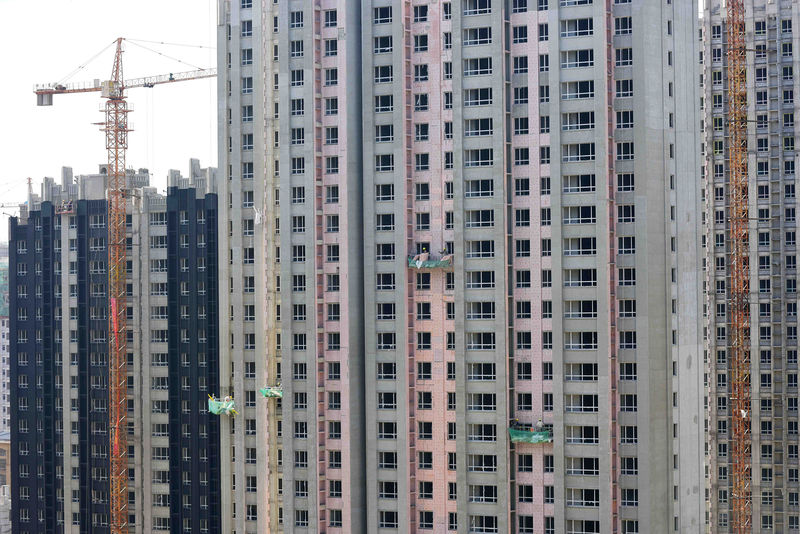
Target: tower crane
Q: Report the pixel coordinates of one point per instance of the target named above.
(116, 131)
(739, 295)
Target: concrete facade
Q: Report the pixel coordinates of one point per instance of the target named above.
(250, 355)
(544, 156)
(771, 38)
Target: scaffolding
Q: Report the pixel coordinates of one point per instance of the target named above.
(739, 292)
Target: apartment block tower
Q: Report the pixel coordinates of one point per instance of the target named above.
(469, 218)
(250, 356)
(5, 418)
(59, 356)
(772, 205)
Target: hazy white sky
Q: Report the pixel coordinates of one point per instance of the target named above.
(44, 41)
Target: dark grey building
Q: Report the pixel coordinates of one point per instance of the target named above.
(59, 356)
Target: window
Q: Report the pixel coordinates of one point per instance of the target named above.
(383, 74)
(521, 64)
(624, 57)
(477, 7)
(628, 403)
(630, 497)
(384, 162)
(521, 125)
(331, 135)
(382, 15)
(624, 88)
(331, 47)
(382, 45)
(477, 127)
(519, 6)
(478, 66)
(577, 58)
(421, 102)
(296, 19)
(331, 77)
(296, 49)
(478, 97)
(477, 36)
(298, 106)
(331, 106)
(520, 34)
(625, 119)
(330, 18)
(383, 103)
(387, 430)
(247, 113)
(625, 182)
(577, 27)
(247, 56)
(421, 43)
(297, 78)
(625, 151)
(623, 26)
(577, 90)
(579, 183)
(421, 132)
(578, 152)
(626, 245)
(481, 157)
(387, 519)
(580, 215)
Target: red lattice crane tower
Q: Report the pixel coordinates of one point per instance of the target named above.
(739, 293)
(116, 131)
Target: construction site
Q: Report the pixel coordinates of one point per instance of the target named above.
(472, 266)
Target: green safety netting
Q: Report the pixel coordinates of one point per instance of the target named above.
(416, 263)
(530, 436)
(224, 406)
(271, 391)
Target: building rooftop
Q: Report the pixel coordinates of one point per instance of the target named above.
(95, 187)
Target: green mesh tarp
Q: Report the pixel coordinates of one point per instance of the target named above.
(224, 406)
(429, 264)
(272, 391)
(530, 436)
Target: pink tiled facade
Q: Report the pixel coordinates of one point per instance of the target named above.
(466, 236)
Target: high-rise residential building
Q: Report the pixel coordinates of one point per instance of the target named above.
(488, 211)
(5, 481)
(772, 206)
(59, 355)
(5, 416)
(249, 274)
(323, 243)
